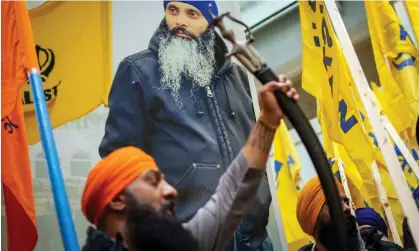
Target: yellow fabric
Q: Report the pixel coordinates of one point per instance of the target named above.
(287, 170)
(75, 57)
(342, 113)
(325, 66)
(409, 174)
(387, 108)
(315, 78)
(379, 97)
(362, 189)
(310, 202)
(412, 8)
(393, 198)
(385, 177)
(394, 54)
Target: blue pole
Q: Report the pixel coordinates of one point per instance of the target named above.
(68, 232)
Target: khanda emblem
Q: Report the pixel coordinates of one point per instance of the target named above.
(50, 83)
(48, 62)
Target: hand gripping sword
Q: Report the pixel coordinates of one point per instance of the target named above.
(249, 57)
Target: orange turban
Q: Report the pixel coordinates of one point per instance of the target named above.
(110, 176)
(310, 202)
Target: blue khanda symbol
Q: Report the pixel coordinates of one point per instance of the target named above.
(277, 167)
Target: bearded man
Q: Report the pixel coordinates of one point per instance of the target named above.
(188, 107)
(314, 217)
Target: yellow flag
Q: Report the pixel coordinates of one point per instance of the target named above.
(318, 45)
(75, 57)
(411, 178)
(412, 8)
(342, 111)
(287, 171)
(387, 110)
(362, 189)
(393, 199)
(326, 76)
(391, 193)
(385, 106)
(395, 56)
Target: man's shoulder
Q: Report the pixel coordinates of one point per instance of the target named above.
(144, 63)
(135, 58)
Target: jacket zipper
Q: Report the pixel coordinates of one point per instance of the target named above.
(209, 92)
(220, 120)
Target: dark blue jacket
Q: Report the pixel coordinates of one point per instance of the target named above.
(194, 146)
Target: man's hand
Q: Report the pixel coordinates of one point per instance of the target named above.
(258, 145)
(271, 113)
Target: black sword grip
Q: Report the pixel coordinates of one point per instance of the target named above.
(309, 138)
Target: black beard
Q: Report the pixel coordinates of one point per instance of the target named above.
(150, 230)
(328, 235)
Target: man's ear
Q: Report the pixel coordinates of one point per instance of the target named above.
(118, 203)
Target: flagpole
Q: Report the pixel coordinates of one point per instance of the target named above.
(341, 167)
(402, 146)
(384, 202)
(384, 143)
(380, 188)
(62, 206)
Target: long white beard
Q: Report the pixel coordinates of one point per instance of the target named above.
(180, 58)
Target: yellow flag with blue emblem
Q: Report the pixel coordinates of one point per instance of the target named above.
(326, 76)
(75, 57)
(386, 109)
(412, 8)
(362, 189)
(396, 60)
(287, 176)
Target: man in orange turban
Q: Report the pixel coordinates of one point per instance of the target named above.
(128, 200)
(314, 217)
